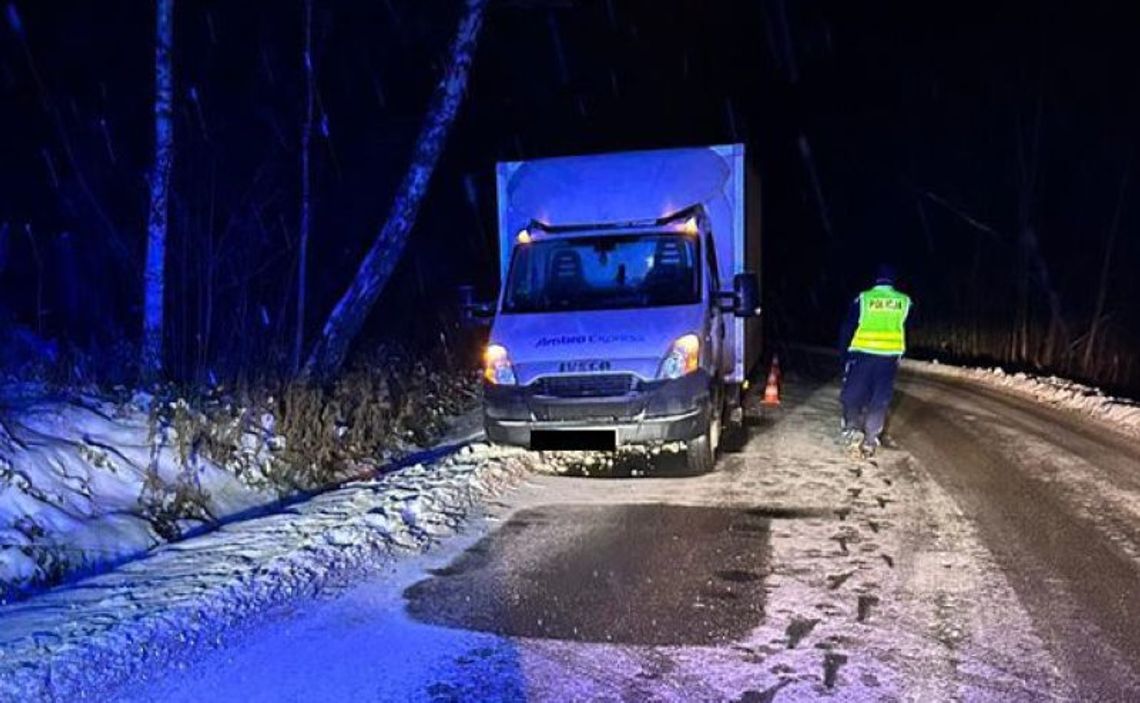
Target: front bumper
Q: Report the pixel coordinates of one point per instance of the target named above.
(659, 411)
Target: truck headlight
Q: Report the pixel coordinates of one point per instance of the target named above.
(497, 367)
(684, 357)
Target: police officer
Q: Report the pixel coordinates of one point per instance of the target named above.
(872, 339)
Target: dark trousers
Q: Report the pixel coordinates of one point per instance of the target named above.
(868, 384)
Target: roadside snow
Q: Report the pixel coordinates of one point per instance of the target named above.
(86, 483)
(1050, 390)
(155, 612)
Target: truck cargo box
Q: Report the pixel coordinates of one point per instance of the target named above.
(627, 188)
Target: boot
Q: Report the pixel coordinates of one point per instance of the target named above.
(850, 437)
(868, 448)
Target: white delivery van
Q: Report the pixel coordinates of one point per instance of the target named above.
(629, 301)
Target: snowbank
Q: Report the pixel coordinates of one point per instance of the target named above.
(154, 612)
(86, 483)
(1120, 413)
(89, 482)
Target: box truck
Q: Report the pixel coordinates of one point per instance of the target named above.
(629, 300)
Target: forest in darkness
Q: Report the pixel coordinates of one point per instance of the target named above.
(985, 150)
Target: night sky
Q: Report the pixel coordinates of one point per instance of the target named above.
(923, 121)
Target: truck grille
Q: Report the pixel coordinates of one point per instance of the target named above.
(588, 386)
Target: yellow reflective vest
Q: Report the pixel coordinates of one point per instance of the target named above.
(882, 322)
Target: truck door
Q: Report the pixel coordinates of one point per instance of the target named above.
(716, 331)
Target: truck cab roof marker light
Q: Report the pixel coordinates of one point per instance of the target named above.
(680, 215)
(688, 220)
(569, 229)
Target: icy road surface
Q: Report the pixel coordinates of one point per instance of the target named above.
(1056, 500)
(995, 557)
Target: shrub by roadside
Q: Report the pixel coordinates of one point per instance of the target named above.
(88, 480)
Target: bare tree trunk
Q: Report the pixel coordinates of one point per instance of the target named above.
(350, 312)
(1058, 332)
(306, 192)
(1020, 349)
(154, 275)
(1105, 272)
(976, 308)
(39, 277)
(1027, 185)
(205, 276)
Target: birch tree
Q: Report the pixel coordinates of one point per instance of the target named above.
(154, 275)
(306, 191)
(348, 316)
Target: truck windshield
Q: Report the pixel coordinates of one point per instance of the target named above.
(607, 272)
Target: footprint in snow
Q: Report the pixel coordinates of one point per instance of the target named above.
(834, 581)
(831, 663)
(865, 603)
(799, 629)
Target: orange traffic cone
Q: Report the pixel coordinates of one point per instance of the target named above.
(772, 387)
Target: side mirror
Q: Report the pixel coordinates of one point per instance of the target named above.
(473, 313)
(746, 295)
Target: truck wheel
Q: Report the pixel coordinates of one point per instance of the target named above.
(700, 452)
(732, 417)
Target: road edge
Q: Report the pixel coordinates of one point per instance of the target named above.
(378, 515)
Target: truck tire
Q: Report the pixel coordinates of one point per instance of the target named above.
(700, 452)
(732, 417)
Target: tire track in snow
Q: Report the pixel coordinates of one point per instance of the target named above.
(1075, 585)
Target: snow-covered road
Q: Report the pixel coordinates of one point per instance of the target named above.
(995, 557)
(1056, 501)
